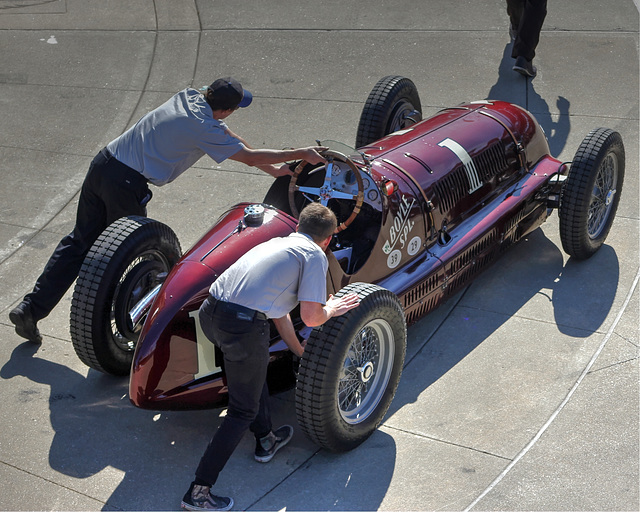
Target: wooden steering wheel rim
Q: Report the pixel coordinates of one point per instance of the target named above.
(356, 171)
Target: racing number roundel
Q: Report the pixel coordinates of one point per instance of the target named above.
(414, 246)
(399, 232)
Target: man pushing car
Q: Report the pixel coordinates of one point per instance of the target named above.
(265, 283)
(157, 149)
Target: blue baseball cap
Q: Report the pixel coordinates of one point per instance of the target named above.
(228, 93)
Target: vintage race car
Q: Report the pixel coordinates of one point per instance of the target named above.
(423, 207)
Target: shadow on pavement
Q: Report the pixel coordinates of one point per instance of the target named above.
(512, 87)
(347, 483)
(97, 428)
(581, 294)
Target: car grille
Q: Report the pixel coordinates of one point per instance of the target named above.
(455, 185)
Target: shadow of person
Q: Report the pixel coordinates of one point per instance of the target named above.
(510, 86)
(557, 131)
(514, 88)
(338, 481)
(97, 429)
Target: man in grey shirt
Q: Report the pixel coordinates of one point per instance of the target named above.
(157, 149)
(266, 283)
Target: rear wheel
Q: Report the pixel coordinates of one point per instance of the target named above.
(350, 370)
(392, 105)
(591, 193)
(130, 258)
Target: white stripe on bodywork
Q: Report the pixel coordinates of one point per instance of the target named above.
(466, 160)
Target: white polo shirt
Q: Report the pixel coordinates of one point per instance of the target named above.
(275, 275)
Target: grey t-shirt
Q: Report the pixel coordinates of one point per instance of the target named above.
(168, 140)
(275, 275)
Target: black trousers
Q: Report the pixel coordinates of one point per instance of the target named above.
(244, 342)
(527, 17)
(110, 190)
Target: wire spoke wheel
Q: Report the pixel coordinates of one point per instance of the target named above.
(366, 371)
(350, 370)
(591, 193)
(129, 258)
(603, 196)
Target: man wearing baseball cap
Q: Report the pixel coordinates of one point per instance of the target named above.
(162, 145)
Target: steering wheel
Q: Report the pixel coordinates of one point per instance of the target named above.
(327, 190)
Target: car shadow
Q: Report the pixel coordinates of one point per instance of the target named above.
(97, 430)
(581, 294)
(144, 460)
(337, 481)
(514, 88)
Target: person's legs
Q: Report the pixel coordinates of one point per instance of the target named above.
(268, 442)
(261, 425)
(65, 262)
(514, 10)
(530, 25)
(246, 356)
(110, 191)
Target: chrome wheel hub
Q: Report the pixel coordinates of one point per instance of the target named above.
(366, 371)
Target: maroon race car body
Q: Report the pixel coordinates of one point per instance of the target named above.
(430, 205)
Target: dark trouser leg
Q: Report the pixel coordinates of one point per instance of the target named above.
(530, 16)
(261, 426)
(102, 200)
(246, 355)
(514, 10)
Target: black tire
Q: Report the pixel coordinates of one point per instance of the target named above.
(342, 393)
(127, 261)
(393, 104)
(591, 193)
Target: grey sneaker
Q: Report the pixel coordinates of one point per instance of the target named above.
(267, 446)
(525, 67)
(199, 497)
(26, 327)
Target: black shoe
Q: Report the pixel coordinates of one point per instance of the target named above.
(525, 67)
(199, 497)
(26, 326)
(267, 446)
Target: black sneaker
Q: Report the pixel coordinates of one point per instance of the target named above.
(525, 67)
(267, 446)
(26, 327)
(199, 497)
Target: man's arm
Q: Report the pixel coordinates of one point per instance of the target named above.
(256, 157)
(314, 313)
(288, 333)
(271, 169)
(262, 157)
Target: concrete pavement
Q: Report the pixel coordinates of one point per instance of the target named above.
(522, 393)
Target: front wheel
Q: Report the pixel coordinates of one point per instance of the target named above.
(591, 193)
(350, 370)
(131, 257)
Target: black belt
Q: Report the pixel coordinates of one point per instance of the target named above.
(130, 171)
(241, 312)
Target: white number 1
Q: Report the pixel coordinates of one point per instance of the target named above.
(466, 160)
(206, 351)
